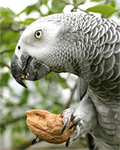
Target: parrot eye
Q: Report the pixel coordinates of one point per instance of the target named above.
(38, 34)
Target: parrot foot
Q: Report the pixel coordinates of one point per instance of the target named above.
(84, 119)
(68, 114)
(36, 140)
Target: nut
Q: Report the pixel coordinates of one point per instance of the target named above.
(47, 126)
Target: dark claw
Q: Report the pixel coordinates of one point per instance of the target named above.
(78, 133)
(65, 125)
(75, 123)
(68, 142)
(34, 141)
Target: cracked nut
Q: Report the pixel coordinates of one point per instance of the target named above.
(47, 126)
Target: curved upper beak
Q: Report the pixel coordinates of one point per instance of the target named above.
(27, 68)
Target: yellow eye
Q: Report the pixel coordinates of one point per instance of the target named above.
(38, 34)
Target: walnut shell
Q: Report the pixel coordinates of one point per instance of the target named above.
(47, 126)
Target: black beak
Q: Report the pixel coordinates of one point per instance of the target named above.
(27, 68)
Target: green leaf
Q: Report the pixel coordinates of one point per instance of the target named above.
(9, 36)
(30, 9)
(6, 16)
(2, 129)
(6, 13)
(119, 14)
(11, 46)
(105, 10)
(11, 49)
(4, 79)
(57, 6)
(113, 4)
(3, 12)
(56, 110)
(1, 20)
(16, 137)
(24, 97)
(96, 0)
(78, 2)
(27, 21)
(44, 2)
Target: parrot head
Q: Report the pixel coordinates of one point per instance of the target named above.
(42, 48)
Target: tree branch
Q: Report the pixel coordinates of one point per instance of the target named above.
(71, 97)
(23, 145)
(106, 2)
(12, 121)
(10, 28)
(75, 6)
(5, 51)
(3, 64)
(65, 2)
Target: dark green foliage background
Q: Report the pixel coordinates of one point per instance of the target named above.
(44, 94)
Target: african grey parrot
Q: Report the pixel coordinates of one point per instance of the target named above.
(88, 47)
